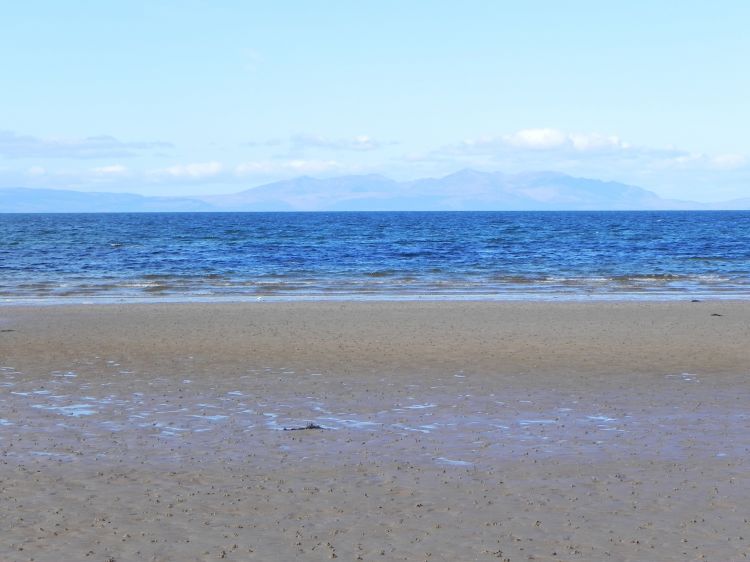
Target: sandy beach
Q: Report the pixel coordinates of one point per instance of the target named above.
(443, 431)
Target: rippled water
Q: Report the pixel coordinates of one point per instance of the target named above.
(162, 256)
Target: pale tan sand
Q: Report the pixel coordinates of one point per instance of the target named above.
(456, 431)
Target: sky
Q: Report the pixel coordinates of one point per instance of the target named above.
(197, 97)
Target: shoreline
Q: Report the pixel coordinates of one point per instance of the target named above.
(541, 297)
(488, 336)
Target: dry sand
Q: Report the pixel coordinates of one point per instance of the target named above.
(451, 431)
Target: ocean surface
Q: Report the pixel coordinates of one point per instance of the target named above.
(53, 258)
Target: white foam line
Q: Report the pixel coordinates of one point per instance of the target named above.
(601, 418)
(211, 418)
(358, 424)
(74, 410)
(420, 406)
(453, 462)
(407, 428)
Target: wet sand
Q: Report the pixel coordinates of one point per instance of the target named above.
(449, 431)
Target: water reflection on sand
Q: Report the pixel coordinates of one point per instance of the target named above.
(117, 411)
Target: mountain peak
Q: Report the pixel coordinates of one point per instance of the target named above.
(469, 174)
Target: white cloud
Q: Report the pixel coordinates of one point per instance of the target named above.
(36, 171)
(545, 148)
(682, 160)
(537, 138)
(266, 167)
(114, 169)
(197, 170)
(251, 168)
(227, 174)
(699, 160)
(357, 143)
(312, 166)
(729, 161)
(552, 139)
(13, 145)
(596, 141)
(268, 142)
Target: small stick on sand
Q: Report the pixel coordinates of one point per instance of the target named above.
(302, 428)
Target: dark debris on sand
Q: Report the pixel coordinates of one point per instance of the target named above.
(302, 428)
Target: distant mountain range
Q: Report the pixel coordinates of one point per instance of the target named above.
(461, 191)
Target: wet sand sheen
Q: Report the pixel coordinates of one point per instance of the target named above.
(456, 431)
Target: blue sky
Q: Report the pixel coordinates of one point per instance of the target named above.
(198, 97)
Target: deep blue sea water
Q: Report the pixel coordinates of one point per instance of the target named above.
(482, 255)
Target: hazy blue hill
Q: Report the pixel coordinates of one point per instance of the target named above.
(559, 191)
(463, 190)
(542, 191)
(23, 200)
(312, 194)
(469, 189)
(732, 205)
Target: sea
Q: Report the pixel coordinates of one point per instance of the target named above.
(149, 257)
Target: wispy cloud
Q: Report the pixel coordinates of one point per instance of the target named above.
(13, 145)
(36, 171)
(357, 143)
(548, 139)
(194, 171)
(537, 138)
(268, 142)
(285, 167)
(729, 161)
(112, 170)
(547, 148)
(261, 170)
